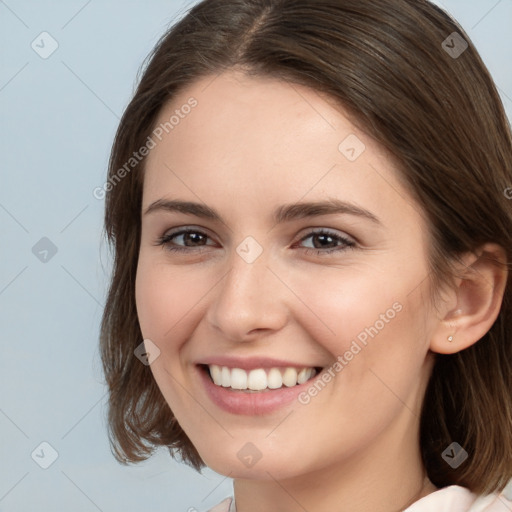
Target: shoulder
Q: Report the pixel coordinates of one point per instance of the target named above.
(455, 498)
(225, 506)
(496, 502)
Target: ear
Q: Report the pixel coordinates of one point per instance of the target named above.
(473, 304)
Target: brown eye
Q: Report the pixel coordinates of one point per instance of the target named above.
(183, 240)
(325, 242)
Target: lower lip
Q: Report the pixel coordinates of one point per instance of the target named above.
(251, 404)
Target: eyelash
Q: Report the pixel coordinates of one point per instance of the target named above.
(345, 242)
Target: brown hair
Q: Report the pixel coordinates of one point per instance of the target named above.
(441, 117)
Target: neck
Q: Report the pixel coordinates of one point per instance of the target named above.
(330, 495)
(387, 476)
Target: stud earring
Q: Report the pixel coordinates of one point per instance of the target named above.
(450, 338)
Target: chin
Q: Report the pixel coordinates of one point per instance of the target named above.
(277, 466)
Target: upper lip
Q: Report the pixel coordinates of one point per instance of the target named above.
(251, 363)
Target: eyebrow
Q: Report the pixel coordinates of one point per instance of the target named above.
(284, 213)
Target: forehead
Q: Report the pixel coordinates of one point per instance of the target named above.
(235, 112)
(264, 141)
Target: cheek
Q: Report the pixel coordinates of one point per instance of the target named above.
(149, 291)
(164, 296)
(343, 305)
(369, 321)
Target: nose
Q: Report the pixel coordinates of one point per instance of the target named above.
(250, 301)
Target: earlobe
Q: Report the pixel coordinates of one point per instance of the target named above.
(479, 295)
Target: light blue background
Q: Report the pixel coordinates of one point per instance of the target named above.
(58, 119)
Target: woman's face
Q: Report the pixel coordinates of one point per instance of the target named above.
(304, 252)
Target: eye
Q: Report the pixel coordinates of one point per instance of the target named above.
(190, 239)
(183, 240)
(326, 242)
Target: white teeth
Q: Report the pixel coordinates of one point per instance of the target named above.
(303, 376)
(259, 379)
(216, 374)
(226, 377)
(238, 379)
(274, 379)
(290, 377)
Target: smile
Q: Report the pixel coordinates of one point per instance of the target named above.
(254, 386)
(259, 379)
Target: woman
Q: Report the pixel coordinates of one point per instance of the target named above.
(308, 205)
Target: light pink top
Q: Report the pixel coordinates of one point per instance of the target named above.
(448, 499)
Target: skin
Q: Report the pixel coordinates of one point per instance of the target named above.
(251, 145)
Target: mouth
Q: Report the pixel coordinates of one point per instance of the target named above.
(259, 380)
(255, 386)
